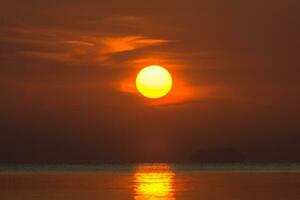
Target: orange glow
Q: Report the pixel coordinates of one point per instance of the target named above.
(182, 89)
(154, 182)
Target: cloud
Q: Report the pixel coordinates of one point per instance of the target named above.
(128, 43)
(76, 42)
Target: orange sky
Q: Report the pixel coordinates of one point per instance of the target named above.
(67, 73)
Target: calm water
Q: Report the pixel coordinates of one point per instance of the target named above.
(147, 182)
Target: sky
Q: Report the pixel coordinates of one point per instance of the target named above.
(67, 81)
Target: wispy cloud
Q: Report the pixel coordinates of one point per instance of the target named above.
(70, 46)
(77, 42)
(127, 43)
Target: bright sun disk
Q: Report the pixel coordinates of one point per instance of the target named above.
(154, 82)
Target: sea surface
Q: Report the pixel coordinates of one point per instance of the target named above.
(150, 182)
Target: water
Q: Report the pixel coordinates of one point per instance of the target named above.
(149, 182)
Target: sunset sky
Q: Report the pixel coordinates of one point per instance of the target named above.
(68, 69)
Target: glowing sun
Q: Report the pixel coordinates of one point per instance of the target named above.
(154, 82)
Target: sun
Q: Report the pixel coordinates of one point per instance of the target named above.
(154, 82)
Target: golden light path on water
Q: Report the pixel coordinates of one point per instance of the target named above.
(154, 182)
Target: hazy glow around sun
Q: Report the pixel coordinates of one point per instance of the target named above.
(154, 82)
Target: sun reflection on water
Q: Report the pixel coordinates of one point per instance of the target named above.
(153, 182)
